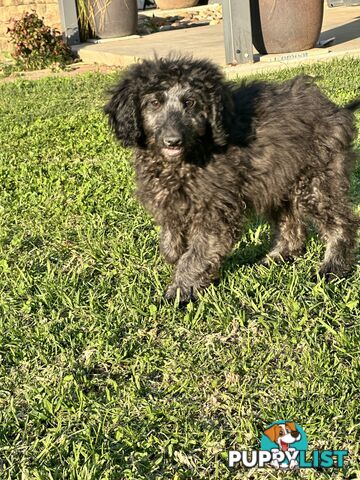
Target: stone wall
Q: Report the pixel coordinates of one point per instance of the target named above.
(49, 9)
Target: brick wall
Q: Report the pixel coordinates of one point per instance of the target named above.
(49, 9)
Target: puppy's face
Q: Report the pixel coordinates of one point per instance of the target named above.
(171, 106)
(174, 119)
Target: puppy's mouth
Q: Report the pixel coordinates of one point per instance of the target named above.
(284, 446)
(172, 151)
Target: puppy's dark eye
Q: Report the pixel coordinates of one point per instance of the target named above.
(155, 103)
(189, 103)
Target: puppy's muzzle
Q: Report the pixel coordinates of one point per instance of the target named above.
(173, 144)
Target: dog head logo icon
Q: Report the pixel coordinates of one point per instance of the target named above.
(283, 434)
(284, 439)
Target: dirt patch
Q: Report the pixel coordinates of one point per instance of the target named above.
(71, 70)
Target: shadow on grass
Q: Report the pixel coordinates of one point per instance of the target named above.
(246, 252)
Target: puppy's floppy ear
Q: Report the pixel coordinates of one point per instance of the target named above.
(123, 110)
(292, 426)
(272, 432)
(221, 113)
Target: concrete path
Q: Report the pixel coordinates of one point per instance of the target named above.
(343, 23)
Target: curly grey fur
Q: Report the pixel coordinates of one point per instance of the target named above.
(207, 153)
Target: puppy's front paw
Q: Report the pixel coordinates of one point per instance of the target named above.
(185, 294)
(275, 258)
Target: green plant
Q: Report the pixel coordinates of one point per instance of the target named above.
(36, 44)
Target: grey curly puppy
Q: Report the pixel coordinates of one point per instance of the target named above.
(206, 153)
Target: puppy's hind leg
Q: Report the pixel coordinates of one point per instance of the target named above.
(290, 236)
(338, 229)
(337, 224)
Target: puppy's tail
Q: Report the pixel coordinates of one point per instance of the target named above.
(352, 106)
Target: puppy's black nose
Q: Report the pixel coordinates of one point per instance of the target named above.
(172, 141)
(294, 433)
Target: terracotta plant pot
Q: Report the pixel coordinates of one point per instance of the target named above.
(172, 4)
(115, 18)
(285, 25)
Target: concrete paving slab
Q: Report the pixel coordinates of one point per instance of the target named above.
(343, 23)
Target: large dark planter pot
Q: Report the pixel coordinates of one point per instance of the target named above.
(172, 4)
(115, 18)
(285, 25)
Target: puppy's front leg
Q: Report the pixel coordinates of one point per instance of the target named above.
(172, 243)
(200, 264)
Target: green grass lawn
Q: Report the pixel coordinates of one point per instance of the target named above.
(99, 380)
